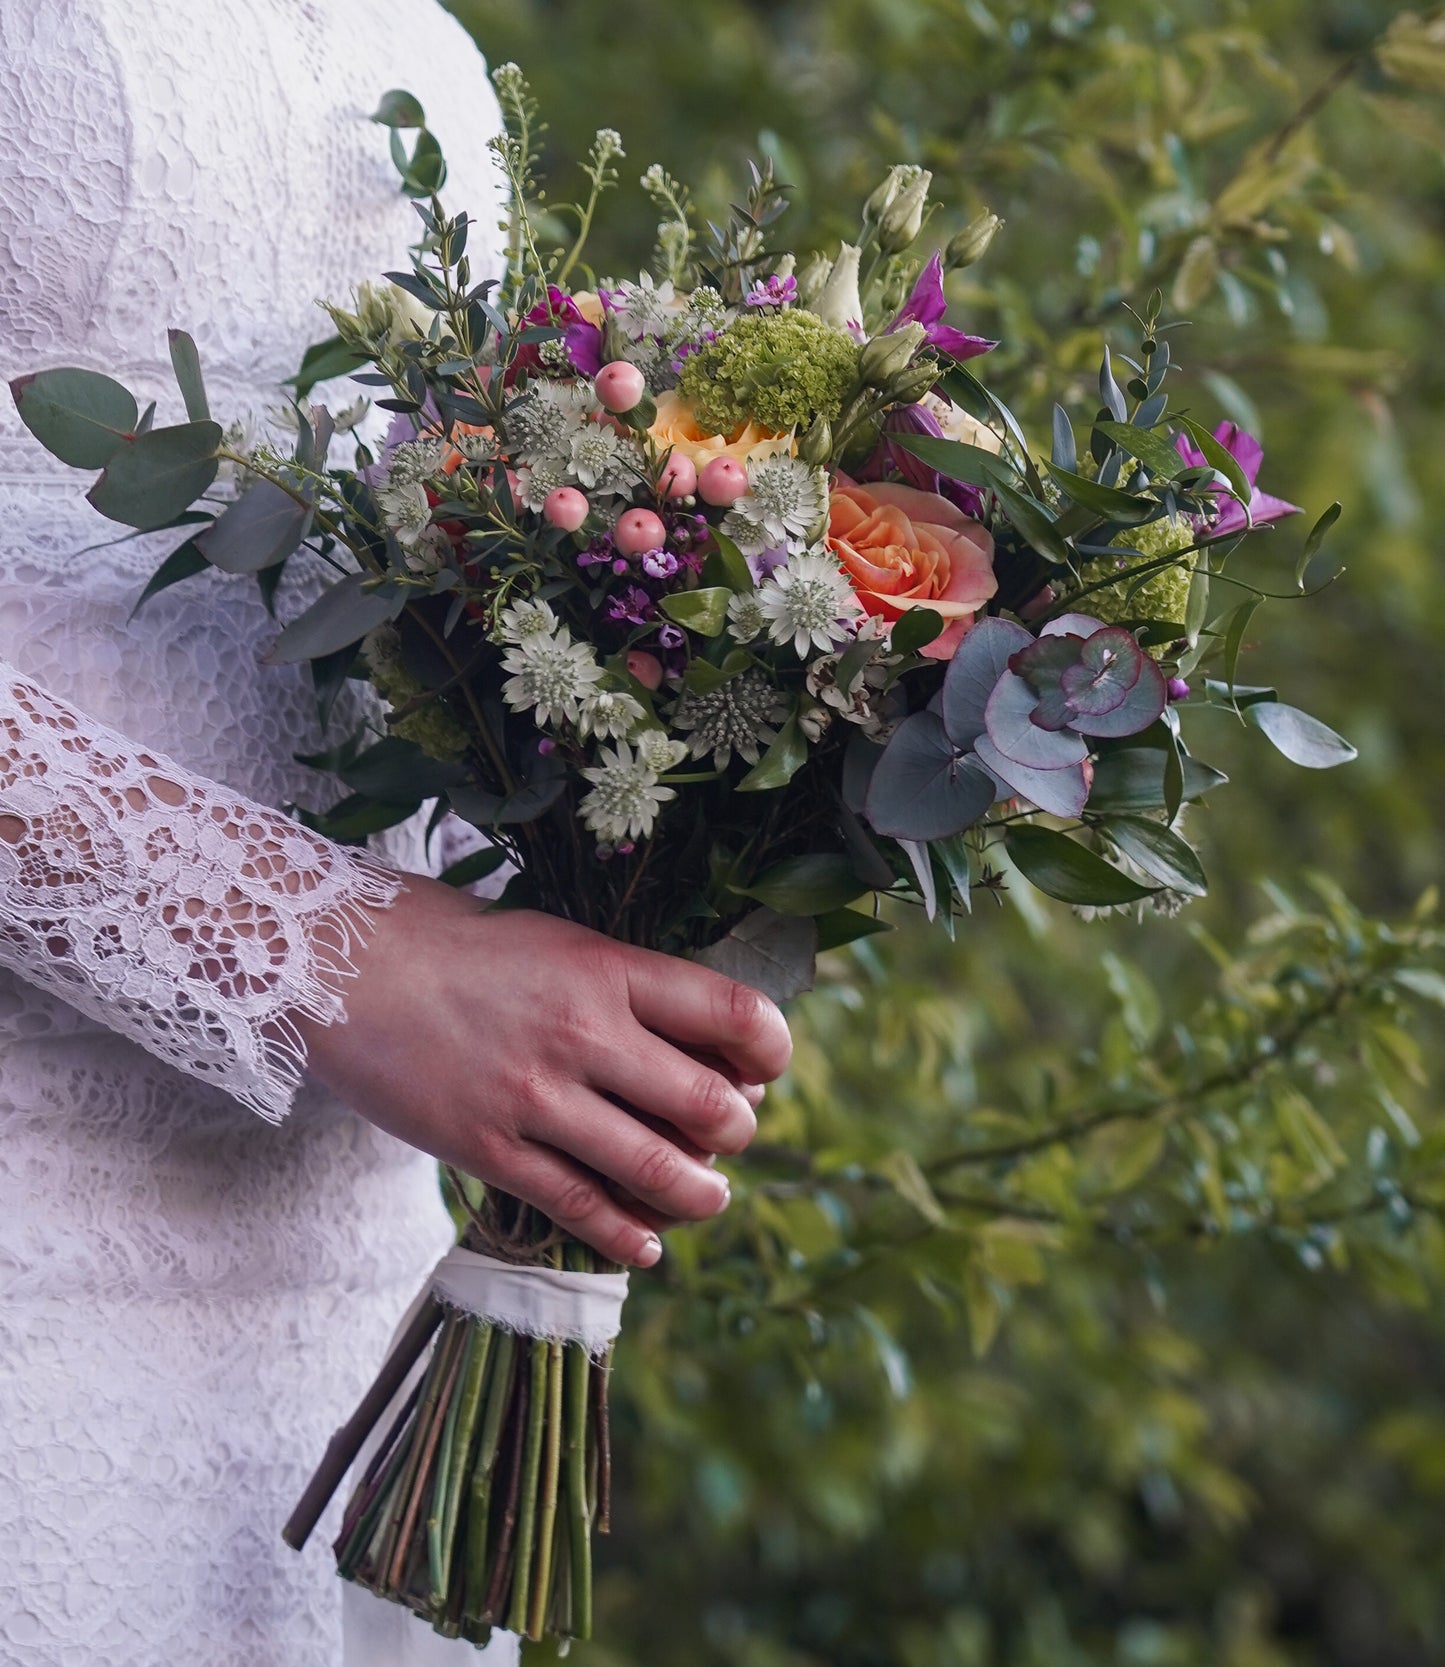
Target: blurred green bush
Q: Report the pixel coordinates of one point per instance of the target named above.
(1100, 1323)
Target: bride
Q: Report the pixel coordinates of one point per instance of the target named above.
(191, 1296)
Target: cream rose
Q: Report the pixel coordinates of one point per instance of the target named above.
(676, 426)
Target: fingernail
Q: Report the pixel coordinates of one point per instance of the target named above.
(651, 1252)
(727, 1192)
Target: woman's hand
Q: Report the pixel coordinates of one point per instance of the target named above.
(518, 1048)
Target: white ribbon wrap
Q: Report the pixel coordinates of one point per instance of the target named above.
(581, 1308)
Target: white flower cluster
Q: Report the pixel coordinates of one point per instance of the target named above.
(651, 324)
(402, 501)
(808, 602)
(783, 504)
(559, 441)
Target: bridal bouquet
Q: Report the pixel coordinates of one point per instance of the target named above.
(726, 602)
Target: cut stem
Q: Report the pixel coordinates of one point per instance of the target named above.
(518, 1614)
(551, 1477)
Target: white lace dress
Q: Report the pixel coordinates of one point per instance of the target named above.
(191, 1296)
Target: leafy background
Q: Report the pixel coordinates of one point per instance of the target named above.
(1101, 1322)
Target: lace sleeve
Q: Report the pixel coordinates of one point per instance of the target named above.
(181, 915)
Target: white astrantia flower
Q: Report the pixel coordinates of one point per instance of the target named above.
(415, 460)
(602, 460)
(736, 717)
(746, 618)
(643, 308)
(785, 497)
(428, 555)
(748, 533)
(542, 424)
(657, 749)
(537, 481)
(806, 601)
(526, 619)
(626, 795)
(406, 510)
(609, 715)
(553, 674)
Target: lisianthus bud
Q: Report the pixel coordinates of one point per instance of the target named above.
(885, 357)
(812, 279)
(972, 242)
(903, 219)
(816, 445)
(884, 195)
(913, 383)
(840, 304)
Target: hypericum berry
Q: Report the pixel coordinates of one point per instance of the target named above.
(638, 530)
(723, 481)
(646, 668)
(566, 508)
(679, 476)
(619, 386)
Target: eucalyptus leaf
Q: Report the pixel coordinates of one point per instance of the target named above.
(262, 527)
(923, 787)
(1060, 867)
(1062, 792)
(973, 674)
(1302, 739)
(339, 617)
(772, 953)
(79, 416)
(809, 885)
(186, 363)
(154, 477)
(399, 108)
(1160, 852)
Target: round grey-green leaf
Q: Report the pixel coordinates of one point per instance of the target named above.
(79, 416)
(151, 479)
(337, 618)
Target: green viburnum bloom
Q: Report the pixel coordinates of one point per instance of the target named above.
(431, 727)
(1163, 595)
(778, 369)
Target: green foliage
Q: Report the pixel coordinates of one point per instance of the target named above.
(780, 370)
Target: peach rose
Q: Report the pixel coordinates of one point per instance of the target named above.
(676, 426)
(903, 548)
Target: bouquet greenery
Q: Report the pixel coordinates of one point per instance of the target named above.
(725, 603)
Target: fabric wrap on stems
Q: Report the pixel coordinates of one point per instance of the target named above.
(533, 1301)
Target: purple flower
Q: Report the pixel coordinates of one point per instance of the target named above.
(632, 606)
(926, 306)
(894, 459)
(776, 292)
(767, 562)
(1178, 689)
(659, 564)
(583, 340)
(685, 350)
(672, 636)
(1248, 453)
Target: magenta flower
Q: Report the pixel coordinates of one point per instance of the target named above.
(583, 340)
(926, 306)
(776, 292)
(889, 460)
(1248, 453)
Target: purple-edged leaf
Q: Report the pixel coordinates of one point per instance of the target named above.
(79, 416)
(922, 787)
(1072, 625)
(1109, 665)
(973, 673)
(261, 527)
(1011, 728)
(1140, 707)
(1059, 792)
(1043, 665)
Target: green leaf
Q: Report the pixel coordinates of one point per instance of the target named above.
(1107, 501)
(780, 763)
(339, 617)
(356, 816)
(703, 611)
(1239, 620)
(323, 360)
(1221, 460)
(773, 953)
(426, 173)
(79, 416)
(917, 628)
(153, 478)
(1151, 448)
(475, 867)
(1423, 982)
(399, 771)
(1060, 867)
(731, 565)
(1133, 778)
(955, 460)
(262, 527)
(1302, 739)
(912, 1185)
(186, 363)
(399, 108)
(1034, 523)
(1160, 852)
(844, 926)
(1315, 539)
(183, 563)
(810, 885)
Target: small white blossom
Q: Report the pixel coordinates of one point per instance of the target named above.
(806, 601)
(476, 448)
(543, 423)
(736, 717)
(415, 460)
(746, 618)
(644, 308)
(406, 510)
(428, 555)
(784, 498)
(610, 715)
(535, 482)
(600, 459)
(657, 749)
(553, 674)
(626, 795)
(750, 535)
(524, 620)
(858, 703)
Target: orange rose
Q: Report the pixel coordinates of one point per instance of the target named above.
(903, 549)
(676, 426)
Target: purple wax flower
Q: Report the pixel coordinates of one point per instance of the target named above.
(1178, 689)
(926, 306)
(775, 292)
(672, 636)
(659, 564)
(632, 606)
(1249, 454)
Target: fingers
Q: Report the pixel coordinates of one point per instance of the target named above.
(702, 1009)
(701, 1102)
(653, 1169)
(580, 1204)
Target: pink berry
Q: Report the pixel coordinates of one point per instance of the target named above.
(646, 668)
(723, 481)
(639, 530)
(620, 386)
(679, 476)
(565, 507)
